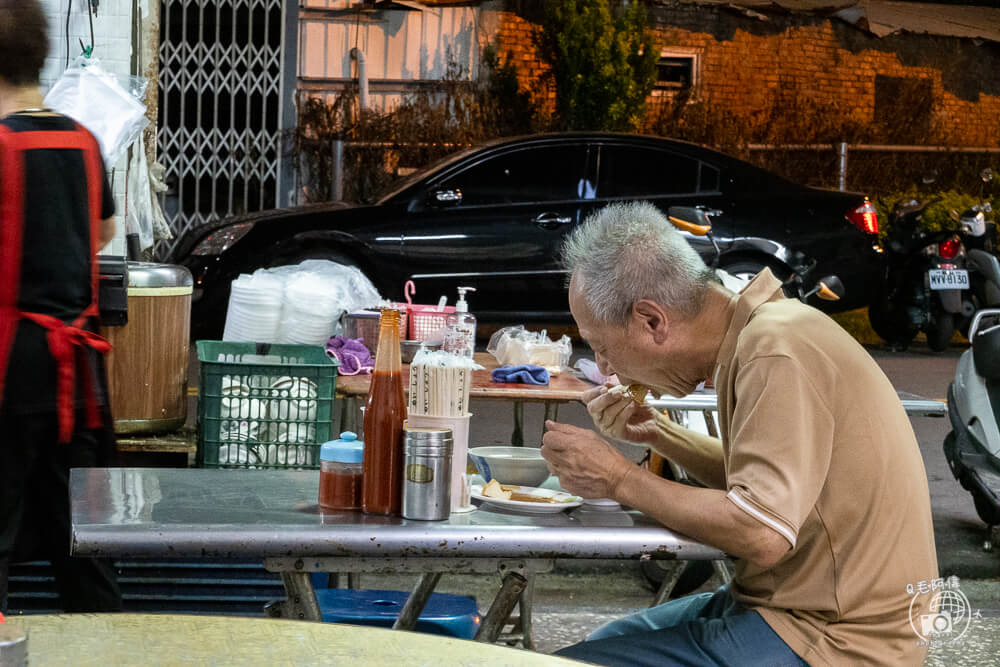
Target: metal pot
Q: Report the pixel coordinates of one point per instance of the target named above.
(148, 363)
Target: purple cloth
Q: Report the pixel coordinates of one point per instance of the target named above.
(526, 374)
(352, 354)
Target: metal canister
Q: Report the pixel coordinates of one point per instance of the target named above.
(427, 473)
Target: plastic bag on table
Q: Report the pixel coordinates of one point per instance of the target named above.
(109, 106)
(515, 346)
(317, 294)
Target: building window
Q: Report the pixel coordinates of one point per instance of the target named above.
(676, 70)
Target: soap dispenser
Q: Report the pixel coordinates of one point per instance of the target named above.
(460, 327)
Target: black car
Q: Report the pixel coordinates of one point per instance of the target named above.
(494, 218)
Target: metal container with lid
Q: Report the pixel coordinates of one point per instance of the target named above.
(148, 363)
(427, 473)
(340, 472)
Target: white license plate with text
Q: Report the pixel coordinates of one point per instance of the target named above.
(948, 278)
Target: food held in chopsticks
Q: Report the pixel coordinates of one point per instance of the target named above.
(636, 392)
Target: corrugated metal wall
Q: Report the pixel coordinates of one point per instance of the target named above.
(401, 47)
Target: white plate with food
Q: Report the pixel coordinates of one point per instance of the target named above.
(525, 498)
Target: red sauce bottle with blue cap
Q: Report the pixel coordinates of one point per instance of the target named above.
(340, 472)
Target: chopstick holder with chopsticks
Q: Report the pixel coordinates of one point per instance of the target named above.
(440, 383)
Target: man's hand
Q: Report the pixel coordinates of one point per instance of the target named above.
(585, 463)
(619, 417)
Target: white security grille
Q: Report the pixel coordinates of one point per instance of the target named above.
(219, 109)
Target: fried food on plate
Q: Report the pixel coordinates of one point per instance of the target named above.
(493, 490)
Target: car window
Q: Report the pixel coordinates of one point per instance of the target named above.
(545, 173)
(709, 178)
(636, 171)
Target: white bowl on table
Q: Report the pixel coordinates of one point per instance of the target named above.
(523, 466)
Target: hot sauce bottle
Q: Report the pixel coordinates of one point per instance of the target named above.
(385, 412)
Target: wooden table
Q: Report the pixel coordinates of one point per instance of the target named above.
(562, 388)
(173, 639)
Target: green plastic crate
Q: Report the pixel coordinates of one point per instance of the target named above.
(263, 406)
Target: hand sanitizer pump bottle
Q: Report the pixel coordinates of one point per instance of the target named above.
(460, 327)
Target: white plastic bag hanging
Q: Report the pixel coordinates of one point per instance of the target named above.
(143, 208)
(94, 97)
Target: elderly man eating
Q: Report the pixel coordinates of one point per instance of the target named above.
(816, 486)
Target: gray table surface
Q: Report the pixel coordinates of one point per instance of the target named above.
(170, 512)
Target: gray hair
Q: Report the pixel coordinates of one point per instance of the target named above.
(629, 251)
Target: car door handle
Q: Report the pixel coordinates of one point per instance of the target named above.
(552, 220)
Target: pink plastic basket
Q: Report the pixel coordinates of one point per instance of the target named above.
(427, 320)
(424, 320)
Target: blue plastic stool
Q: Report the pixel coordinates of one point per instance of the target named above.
(444, 614)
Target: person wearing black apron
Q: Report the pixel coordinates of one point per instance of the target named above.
(56, 212)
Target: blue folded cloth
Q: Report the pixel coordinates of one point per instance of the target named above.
(527, 374)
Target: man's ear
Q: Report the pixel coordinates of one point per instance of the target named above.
(651, 319)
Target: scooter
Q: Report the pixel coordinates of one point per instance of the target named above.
(799, 284)
(980, 238)
(925, 283)
(973, 446)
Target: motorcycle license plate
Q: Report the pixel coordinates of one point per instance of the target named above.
(948, 278)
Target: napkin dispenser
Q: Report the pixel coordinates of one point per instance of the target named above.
(112, 290)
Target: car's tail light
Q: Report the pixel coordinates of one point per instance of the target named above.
(864, 217)
(949, 249)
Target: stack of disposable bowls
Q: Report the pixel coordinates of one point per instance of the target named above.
(254, 312)
(310, 312)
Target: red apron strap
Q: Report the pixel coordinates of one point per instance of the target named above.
(63, 339)
(95, 193)
(11, 233)
(63, 342)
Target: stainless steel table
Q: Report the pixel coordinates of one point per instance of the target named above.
(272, 514)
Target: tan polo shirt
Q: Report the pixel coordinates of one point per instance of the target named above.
(818, 447)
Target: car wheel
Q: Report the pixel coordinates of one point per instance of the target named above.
(886, 323)
(744, 270)
(939, 331)
(747, 269)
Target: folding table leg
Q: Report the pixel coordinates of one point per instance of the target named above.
(669, 581)
(302, 602)
(526, 600)
(724, 569)
(503, 604)
(407, 619)
(517, 437)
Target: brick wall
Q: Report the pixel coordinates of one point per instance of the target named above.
(112, 45)
(747, 66)
(515, 43)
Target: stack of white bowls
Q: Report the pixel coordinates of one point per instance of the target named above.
(310, 312)
(254, 312)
